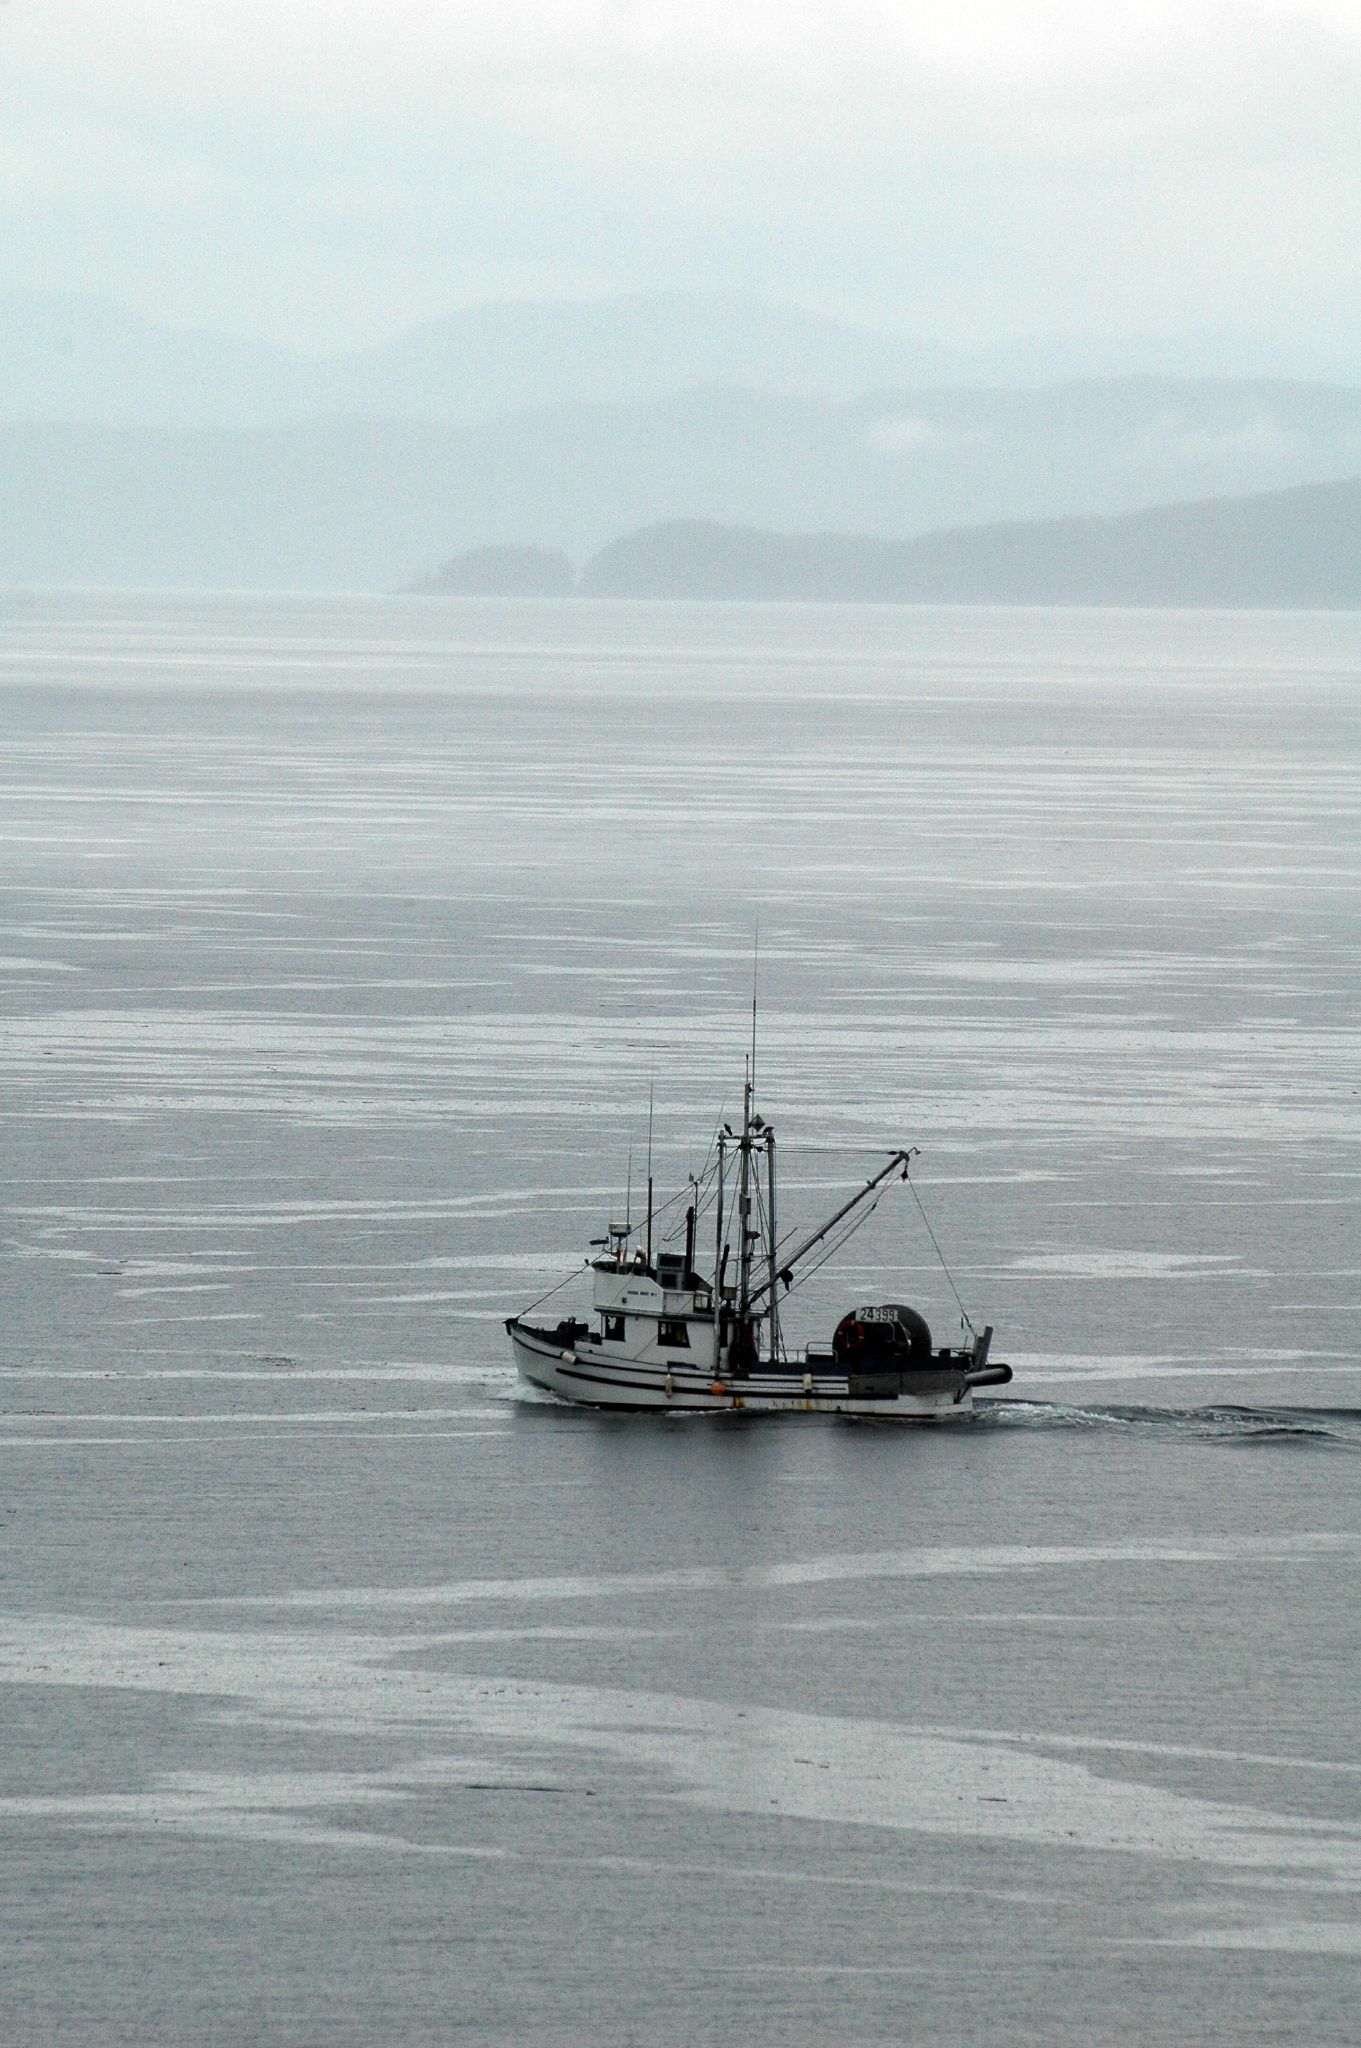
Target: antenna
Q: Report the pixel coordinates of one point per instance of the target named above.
(755, 964)
(651, 1091)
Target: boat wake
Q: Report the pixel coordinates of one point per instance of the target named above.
(1332, 1428)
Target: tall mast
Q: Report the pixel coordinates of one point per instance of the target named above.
(746, 1235)
(774, 1311)
(744, 1231)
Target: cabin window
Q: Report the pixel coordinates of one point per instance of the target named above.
(674, 1334)
(613, 1330)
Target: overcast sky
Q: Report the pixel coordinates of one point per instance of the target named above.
(327, 171)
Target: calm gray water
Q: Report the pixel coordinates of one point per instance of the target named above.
(350, 1697)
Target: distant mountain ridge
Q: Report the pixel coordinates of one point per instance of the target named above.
(354, 504)
(1289, 549)
(86, 360)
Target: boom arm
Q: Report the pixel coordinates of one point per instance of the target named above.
(784, 1266)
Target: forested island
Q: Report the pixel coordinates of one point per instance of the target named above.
(1289, 549)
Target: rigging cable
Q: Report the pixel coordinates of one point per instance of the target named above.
(964, 1313)
(556, 1288)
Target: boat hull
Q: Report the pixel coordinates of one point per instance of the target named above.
(588, 1377)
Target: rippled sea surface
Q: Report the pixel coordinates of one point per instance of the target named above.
(348, 1696)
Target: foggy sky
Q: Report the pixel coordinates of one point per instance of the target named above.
(328, 173)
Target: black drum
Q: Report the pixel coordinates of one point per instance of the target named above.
(889, 1338)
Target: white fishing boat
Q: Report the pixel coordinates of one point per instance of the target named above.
(663, 1335)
